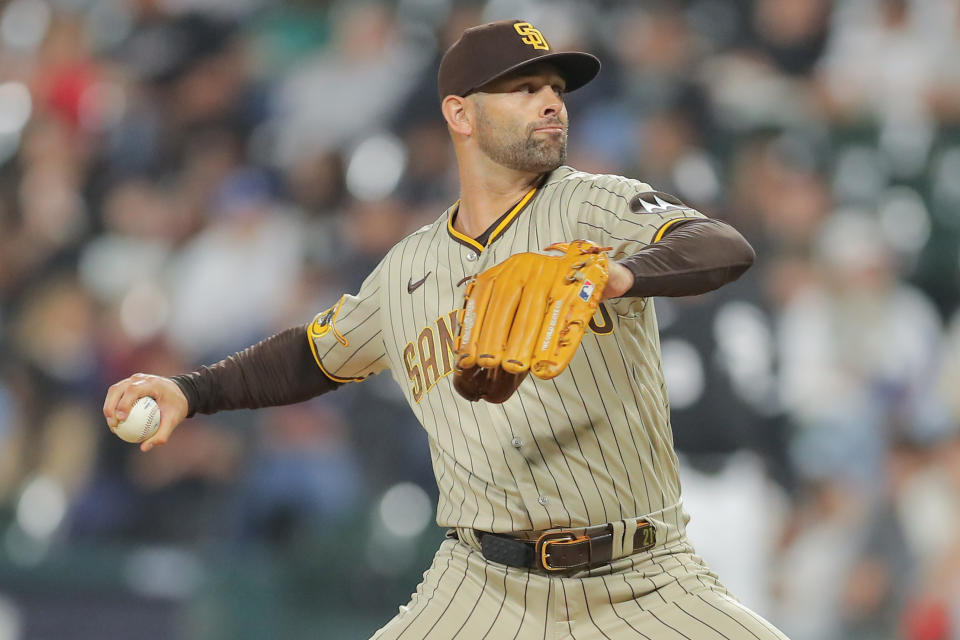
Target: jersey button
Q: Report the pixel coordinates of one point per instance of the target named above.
(472, 256)
(542, 499)
(517, 442)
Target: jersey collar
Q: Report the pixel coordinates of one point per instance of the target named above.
(495, 230)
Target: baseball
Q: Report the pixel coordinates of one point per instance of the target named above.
(142, 422)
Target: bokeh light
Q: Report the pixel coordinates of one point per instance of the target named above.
(405, 510)
(24, 23)
(375, 166)
(15, 107)
(41, 507)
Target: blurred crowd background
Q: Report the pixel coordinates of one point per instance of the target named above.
(181, 178)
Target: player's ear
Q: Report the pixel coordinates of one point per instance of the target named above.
(456, 113)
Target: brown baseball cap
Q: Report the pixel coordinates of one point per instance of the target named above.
(492, 50)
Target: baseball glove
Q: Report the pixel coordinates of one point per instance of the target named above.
(527, 313)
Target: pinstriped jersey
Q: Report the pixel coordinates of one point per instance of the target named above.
(592, 445)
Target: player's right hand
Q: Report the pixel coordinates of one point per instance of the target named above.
(173, 404)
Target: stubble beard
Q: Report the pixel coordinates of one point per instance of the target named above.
(527, 152)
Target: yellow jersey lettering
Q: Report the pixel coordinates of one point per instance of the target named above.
(413, 371)
(428, 357)
(605, 326)
(447, 339)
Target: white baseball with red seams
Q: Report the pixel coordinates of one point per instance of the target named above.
(142, 422)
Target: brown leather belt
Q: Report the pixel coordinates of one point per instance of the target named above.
(562, 550)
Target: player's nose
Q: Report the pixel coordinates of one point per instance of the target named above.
(551, 103)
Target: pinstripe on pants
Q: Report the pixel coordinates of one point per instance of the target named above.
(665, 594)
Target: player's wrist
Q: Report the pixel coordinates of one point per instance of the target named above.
(619, 281)
(186, 384)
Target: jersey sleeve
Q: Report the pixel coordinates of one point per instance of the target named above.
(347, 338)
(627, 215)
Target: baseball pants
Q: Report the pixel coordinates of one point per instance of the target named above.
(664, 594)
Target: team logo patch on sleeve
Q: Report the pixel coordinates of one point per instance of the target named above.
(655, 202)
(324, 322)
(586, 290)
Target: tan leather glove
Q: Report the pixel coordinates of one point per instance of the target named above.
(527, 313)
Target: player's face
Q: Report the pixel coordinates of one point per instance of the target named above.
(522, 121)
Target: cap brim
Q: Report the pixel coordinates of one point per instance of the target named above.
(576, 68)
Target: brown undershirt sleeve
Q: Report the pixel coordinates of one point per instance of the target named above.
(694, 256)
(279, 370)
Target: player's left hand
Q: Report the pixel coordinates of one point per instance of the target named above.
(527, 313)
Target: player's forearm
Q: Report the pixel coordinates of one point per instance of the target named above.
(693, 258)
(279, 370)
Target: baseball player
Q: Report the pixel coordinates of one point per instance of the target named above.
(561, 496)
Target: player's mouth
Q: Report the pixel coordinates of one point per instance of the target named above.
(552, 126)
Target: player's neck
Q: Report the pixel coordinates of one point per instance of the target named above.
(486, 193)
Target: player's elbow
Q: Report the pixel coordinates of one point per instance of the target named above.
(729, 258)
(739, 254)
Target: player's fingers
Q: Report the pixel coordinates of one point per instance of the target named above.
(167, 424)
(136, 388)
(120, 398)
(110, 401)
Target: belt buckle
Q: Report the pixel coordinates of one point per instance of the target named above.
(545, 541)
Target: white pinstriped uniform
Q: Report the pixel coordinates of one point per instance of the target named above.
(591, 446)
